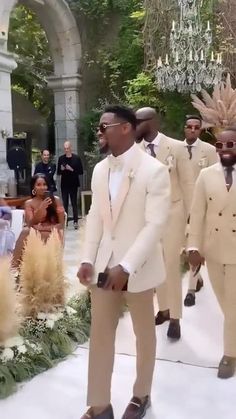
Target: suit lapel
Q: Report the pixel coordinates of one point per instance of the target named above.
(104, 195)
(221, 184)
(128, 175)
(163, 150)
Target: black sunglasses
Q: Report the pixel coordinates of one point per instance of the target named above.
(102, 127)
(229, 144)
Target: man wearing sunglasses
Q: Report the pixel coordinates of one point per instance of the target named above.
(212, 235)
(196, 155)
(167, 150)
(122, 251)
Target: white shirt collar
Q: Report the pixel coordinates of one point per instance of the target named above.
(125, 157)
(156, 141)
(195, 144)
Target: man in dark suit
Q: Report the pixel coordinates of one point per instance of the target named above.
(48, 168)
(70, 168)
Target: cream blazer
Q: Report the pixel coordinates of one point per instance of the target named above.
(169, 153)
(213, 217)
(204, 155)
(131, 231)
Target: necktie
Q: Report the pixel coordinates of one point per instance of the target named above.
(189, 147)
(115, 163)
(229, 176)
(151, 148)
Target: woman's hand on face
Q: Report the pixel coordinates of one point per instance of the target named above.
(46, 203)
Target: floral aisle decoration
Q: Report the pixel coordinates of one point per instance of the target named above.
(51, 328)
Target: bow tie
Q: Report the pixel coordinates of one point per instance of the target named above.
(116, 164)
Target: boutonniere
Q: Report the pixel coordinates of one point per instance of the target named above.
(202, 162)
(131, 174)
(170, 161)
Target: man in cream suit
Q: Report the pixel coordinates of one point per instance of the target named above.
(167, 150)
(195, 155)
(130, 204)
(212, 235)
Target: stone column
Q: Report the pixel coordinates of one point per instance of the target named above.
(67, 111)
(7, 65)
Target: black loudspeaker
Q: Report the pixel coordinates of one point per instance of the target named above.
(16, 154)
(19, 152)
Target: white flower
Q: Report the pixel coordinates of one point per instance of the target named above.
(50, 324)
(41, 316)
(70, 311)
(22, 349)
(7, 355)
(131, 174)
(15, 341)
(54, 316)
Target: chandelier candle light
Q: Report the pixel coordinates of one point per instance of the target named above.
(191, 64)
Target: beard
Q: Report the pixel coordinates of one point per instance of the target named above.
(228, 160)
(104, 149)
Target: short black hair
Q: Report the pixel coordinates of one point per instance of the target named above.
(122, 112)
(197, 117)
(45, 149)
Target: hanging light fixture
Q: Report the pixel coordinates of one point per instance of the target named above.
(192, 63)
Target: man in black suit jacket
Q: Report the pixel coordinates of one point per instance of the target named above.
(70, 168)
(48, 168)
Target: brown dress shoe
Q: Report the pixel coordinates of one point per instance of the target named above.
(106, 414)
(174, 331)
(137, 409)
(226, 367)
(199, 285)
(162, 317)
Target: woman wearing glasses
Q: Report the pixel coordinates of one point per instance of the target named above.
(213, 235)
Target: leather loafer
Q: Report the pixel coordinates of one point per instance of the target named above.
(137, 409)
(106, 414)
(161, 317)
(189, 300)
(199, 285)
(174, 331)
(226, 367)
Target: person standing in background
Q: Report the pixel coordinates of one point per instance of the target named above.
(167, 151)
(70, 168)
(46, 167)
(195, 156)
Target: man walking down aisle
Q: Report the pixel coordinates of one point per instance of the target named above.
(130, 204)
(212, 235)
(196, 155)
(167, 150)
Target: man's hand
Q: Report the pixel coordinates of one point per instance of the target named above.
(68, 167)
(195, 259)
(85, 273)
(117, 279)
(62, 167)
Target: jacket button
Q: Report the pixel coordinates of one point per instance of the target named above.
(234, 231)
(216, 229)
(210, 199)
(113, 237)
(234, 215)
(220, 213)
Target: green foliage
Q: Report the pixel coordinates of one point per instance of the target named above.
(28, 40)
(45, 347)
(142, 91)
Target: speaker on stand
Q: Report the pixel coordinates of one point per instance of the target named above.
(18, 160)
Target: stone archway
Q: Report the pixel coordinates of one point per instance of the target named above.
(63, 36)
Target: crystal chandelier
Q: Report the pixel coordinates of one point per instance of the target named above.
(192, 63)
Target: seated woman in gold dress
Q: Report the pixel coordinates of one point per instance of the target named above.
(44, 212)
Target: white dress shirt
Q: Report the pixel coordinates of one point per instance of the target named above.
(117, 171)
(156, 143)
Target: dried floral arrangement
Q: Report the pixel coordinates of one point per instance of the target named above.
(50, 327)
(219, 110)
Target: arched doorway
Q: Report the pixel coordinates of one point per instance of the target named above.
(63, 36)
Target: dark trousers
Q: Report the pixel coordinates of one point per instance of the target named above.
(72, 193)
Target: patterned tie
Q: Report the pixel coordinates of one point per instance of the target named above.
(151, 148)
(229, 176)
(189, 147)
